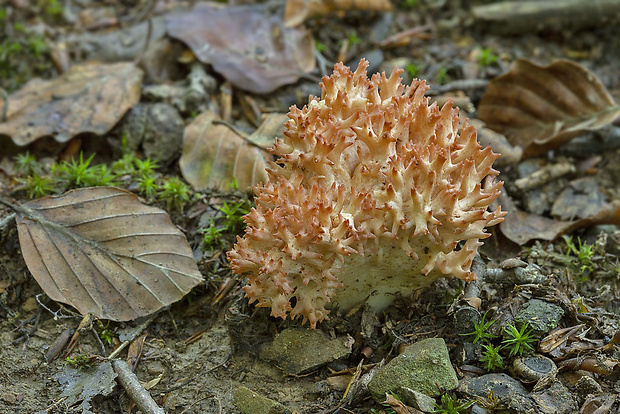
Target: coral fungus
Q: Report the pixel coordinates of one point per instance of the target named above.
(373, 193)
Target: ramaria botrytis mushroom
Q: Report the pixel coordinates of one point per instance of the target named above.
(372, 195)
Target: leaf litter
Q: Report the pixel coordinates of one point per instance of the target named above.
(105, 253)
(88, 98)
(185, 358)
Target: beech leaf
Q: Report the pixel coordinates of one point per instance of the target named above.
(542, 107)
(88, 98)
(103, 252)
(247, 44)
(213, 155)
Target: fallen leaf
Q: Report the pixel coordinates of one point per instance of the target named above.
(103, 252)
(246, 44)
(521, 227)
(581, 199)
(88, 98)
(298, 11)
(213, 155)
(81, 386)
(272, 126)
(542, 107)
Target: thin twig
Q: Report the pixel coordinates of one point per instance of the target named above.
(140, 396)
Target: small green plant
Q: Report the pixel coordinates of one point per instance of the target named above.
(147, 186)
(352, 38)
(175, 193)
(320, 47)
(518, 341)
(491, 358)
(412, 70)
(105, 333)
(486, 57)
(26, 163)
(480, 330)
(37, 185)
(80, 361)
(410, 4)
(233, 214)
(146, 167)
(442, 75)
(452, 405)
(212, 235)
(582, 251)
(77, 172)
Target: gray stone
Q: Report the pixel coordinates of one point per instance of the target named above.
(163, 134)
(417, 400)
(249, 402)
(533, 367)
(540, 316)
(297, 351)
(424, 367)
(555, 400)
(508, 391)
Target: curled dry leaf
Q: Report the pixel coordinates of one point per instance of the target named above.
(213, 155)
(87, 98)
(247, 44)
(103, 252)
(542, 107)
(298, 11)
(521, 227)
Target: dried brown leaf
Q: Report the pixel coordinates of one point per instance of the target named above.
(246, 44)
(103, 252)
(87, 98)
(542, 107)
(213, 154)
(298, 11)
(521, 227)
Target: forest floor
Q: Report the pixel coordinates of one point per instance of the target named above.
(193, 355)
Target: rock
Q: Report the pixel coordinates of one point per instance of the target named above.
(297, 351)
(555, 400)
(587, 385)
(508, 391)
(534, 367)
(163, 134)
(417, 400)
(249, 402)
(540, 316)
(424, 367)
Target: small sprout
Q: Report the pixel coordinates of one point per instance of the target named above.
(26, 163)
(125, 165)
(452, 405)
(146, 167)
(233, 214)
(147, 186)
(37, 186)
(77, 173)
(442, 75)
(101, 176)
(352, 38)
(320, 47)
(412, 69)
(518, 341)
(486, 57)
(105, 333)
(175, 193)
(491, 358)
(212, 235)
(582, 251)
(410, 4)
(80, 361)
(480, 330)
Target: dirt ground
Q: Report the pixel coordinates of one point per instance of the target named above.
(195, 353)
